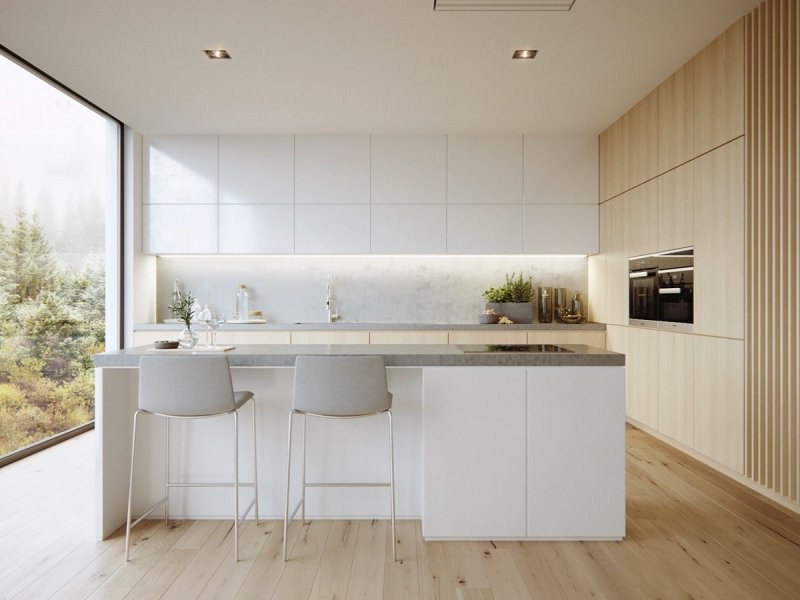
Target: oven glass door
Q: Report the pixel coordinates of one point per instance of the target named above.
(643, 303)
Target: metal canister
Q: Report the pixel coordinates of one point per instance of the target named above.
(545, 305)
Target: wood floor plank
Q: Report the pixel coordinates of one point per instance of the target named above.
(435, 582)
(369, 560)
(401, 577)
(691, 533)
(196, 573)
(230, 575)
(333, 574)
(300, 570)
(88, 579)
(262, 579)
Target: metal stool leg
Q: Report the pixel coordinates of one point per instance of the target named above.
(236, 486)
(130, 490)
(166, 477)
(288, 479)
(303, 496)
(391, 482)
(255, 463)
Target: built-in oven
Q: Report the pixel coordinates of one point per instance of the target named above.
(662, 289)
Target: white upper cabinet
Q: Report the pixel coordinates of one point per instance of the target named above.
(409, 229)
(409, 169)
(484, 169)
(561, 229)
(256, 169)
(179, 229)
(560, 169)
(180, 169)
(332, 229)
(484, 229)
(256, 229)
(332, 169)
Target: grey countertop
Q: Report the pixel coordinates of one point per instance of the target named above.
(345, 326)
(396, 355)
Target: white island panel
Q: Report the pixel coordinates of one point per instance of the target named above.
(474, 436)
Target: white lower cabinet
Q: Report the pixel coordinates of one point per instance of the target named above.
(576, 452)
(474, 449)
(527, 452)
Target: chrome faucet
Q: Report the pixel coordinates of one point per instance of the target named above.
(332, 316)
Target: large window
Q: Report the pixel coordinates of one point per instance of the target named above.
(59, 195)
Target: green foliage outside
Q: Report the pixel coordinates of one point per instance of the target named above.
(51, 322)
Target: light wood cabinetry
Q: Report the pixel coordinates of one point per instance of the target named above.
(330, 337)
(616, 295)
(253, 337)
(474, 474)
(641, 149)
(408, 337)
(641, 220)
(676, 208)
(719, 400)
(642, 372)
(560, 336)
(675, 353)
(676, 119)
(719, 241)
(718, 81)
(487, 337)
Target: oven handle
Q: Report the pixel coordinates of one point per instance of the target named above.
(669, 290)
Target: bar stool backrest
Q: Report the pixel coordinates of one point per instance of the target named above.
(341, 386)
(185, 386)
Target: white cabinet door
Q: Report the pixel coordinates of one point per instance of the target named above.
(560, 169)
(332, 169)
(331, 229)
(474, 452)
(484, 169)
(576, 452)
(484, 229)
(409, 169)
(256, 228)
(409, 229)
(561, 229)
(256, 169)
(180, 169)
(179, 229)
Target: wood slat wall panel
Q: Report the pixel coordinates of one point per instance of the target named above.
(772, 354)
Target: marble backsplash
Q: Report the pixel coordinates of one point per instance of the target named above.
(367, 289)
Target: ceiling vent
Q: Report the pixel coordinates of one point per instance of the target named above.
(503, 4)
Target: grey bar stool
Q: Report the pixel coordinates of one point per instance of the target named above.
(338, 387)
(191, 387)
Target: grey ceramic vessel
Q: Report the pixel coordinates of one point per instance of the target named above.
(519, 312)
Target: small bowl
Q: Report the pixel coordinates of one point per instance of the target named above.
(488, 319)
(572, 319)
(165, 345)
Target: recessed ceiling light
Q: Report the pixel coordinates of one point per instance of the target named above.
(217, 53)
(502, 4)
(525, 54)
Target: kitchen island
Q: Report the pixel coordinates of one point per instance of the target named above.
(500, 442)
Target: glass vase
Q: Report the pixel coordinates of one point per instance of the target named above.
(187, 338)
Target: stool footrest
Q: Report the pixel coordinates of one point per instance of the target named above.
(247, 511)
(296, 508)
(184, 485)
(346, 484)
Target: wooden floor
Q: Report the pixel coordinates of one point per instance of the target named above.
(691, 534)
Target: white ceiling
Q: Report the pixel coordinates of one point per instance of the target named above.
(369, 66)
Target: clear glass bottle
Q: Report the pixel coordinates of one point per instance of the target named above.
(242, 302)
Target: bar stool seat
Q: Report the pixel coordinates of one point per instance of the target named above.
(191, 387)
(338, 387)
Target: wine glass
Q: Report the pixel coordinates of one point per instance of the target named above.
(213, 324)
(203, 316)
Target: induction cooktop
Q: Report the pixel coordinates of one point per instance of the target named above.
(530, 348)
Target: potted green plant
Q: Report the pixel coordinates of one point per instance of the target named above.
(513, 299)
(181, 309)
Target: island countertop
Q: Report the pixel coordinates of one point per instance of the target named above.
(356, 326)
(395, 355)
